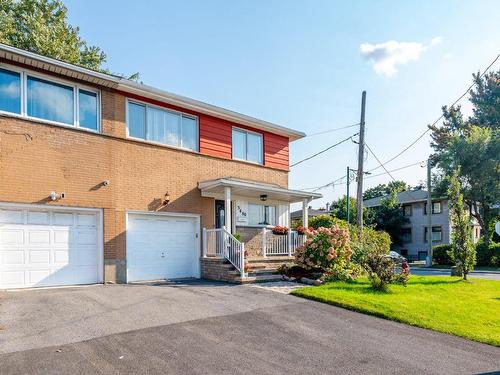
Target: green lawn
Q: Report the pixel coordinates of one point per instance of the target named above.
(447, 267)
(469, 309)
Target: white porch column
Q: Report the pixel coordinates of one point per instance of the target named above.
(227, 209)
(305, 212)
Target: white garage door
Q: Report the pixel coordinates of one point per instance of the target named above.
(161, 247)
(48, 247)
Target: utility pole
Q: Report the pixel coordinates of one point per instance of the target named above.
(347, 200)
(429, 214)
(361, 154)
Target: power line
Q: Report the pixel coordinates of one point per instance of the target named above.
(385, 169)
(322, 151)
(332, 130)
(438, 119)
(315, 188)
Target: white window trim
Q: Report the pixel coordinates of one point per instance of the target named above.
(146, 105)
(24, 73)
(246, 138)
(263, 225)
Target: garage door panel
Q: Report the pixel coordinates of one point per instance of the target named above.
(39, 237)
(63, 218)
(39, 256)
(11, 237)
(11, 216)
(37, 217)
(48, 248)
(12, 257)
(161, 247)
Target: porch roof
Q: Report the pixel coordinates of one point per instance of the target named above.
(253, 189)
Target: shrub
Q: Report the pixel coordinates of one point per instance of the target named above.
(440, 254)
(326, 250)
(382, 271)
(325, 221)
(293, 271)
(495, 255)
(488, 256)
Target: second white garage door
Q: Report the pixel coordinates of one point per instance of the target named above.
(162, 247)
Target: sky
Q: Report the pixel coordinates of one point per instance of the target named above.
(304, 65)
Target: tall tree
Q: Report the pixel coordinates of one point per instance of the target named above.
(462, 252)
(385, 189)
(41, 26)
(339, 209)
(472, 146)
(388, 217)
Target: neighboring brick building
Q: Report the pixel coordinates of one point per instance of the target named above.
(129, 159)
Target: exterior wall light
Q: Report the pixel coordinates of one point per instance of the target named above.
(166, 198)
(263, 197)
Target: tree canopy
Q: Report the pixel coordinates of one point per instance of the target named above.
(472, 147)
(41, 26)
(385, 189)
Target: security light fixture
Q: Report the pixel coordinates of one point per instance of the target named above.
(263, 197)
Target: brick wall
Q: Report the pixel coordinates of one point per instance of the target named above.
(36, 158)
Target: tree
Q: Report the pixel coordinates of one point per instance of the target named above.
(462, 252)
(383, 189)
(41, 26)
(388, 217)
(339, 209)
(472, 147)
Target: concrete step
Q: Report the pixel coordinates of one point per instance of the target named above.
(270, 259)
(259, 279)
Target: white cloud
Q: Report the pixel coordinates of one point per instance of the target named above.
(386, 56)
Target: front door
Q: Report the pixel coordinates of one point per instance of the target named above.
(220, 217)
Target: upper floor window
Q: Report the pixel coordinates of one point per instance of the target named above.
(25, 94)
(436, 208)
(247, 146)
(10, 91)
(162, 126)
(407, 210)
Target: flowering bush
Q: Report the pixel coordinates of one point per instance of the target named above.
(280, 230)
(327, 250)
(382, 271)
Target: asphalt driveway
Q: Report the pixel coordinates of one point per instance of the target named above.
(199, 327)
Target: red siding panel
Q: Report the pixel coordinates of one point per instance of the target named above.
(216, 137)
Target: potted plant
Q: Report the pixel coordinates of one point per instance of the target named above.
(280, 231)
(301, 230)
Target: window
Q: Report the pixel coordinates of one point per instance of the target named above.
(10, 91)
(259, 214)
(28, 95)
(406, 235)
(407, 210)
(404, 252)
(162, 126)
(87, 110)
(436, 208)
(247, 146)
(422, 255)
(437, 234)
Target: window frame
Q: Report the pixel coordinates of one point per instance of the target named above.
(275, 219)
(410, 240)
(25, 73)
(432, 232)
(432, 205)
(246, 131)
(166, 109)
(411, 210)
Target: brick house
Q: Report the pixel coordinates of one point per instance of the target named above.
(107, 180)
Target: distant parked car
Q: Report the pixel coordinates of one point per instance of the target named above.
(400, 261)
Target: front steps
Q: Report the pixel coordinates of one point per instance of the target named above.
(260, 269)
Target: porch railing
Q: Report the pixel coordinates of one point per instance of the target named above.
(276, 244)
(222, 244)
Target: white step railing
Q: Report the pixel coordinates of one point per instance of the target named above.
(280, 244)
(222, 244)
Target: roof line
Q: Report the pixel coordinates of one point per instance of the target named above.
(162, 95)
